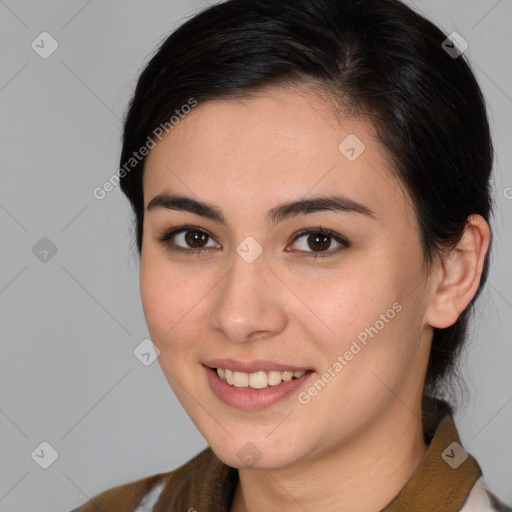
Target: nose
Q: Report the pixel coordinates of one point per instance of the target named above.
(248, 304)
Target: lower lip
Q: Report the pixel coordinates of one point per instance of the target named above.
(252, 399)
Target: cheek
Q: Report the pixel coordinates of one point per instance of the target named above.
(344, 308)
(167, 298)
(369, 309)
(352, 299)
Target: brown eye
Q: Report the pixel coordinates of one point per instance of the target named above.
(196, 238)
(186, 239)
(317, 241)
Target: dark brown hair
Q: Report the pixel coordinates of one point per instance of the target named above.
(378, 59)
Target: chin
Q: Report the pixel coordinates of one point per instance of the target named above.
(251, 457)
(259, 454)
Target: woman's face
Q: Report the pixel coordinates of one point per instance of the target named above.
(346, 303)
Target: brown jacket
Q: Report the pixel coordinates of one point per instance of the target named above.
(447, 480)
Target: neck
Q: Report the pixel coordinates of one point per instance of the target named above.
(360, 476)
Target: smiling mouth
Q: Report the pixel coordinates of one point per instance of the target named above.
(257, 380)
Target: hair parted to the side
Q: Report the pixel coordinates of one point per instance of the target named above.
(377, 59)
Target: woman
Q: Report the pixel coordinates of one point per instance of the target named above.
(310, 182)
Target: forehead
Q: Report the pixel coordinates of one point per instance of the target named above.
(271, 147)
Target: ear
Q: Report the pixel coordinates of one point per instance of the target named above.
(459, 274)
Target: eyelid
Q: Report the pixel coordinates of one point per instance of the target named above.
(165, 237)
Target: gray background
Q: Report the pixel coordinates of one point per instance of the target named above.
(69, 326)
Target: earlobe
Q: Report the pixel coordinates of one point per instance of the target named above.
(460, 273)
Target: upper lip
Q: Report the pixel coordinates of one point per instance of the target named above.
(253, 366)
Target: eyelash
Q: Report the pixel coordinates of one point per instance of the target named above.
(165, 238)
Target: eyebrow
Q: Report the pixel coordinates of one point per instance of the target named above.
(337, 203)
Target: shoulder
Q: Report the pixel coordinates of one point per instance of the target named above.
(140, 495)
(481, 499)
(125, 497)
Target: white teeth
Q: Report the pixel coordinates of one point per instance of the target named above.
(257, 380)
(274, 378)
(287, 376)
(240, 380)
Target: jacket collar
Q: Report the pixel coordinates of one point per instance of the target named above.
(445, 476)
